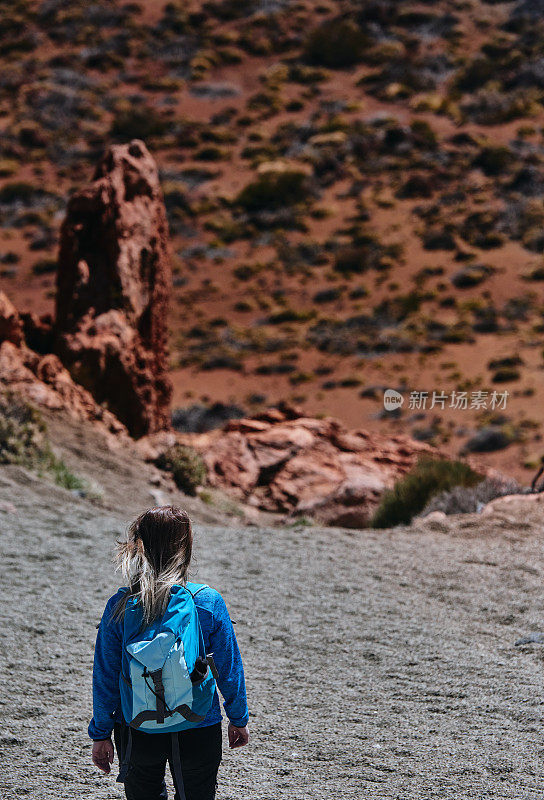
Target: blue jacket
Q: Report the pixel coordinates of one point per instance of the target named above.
(219, 638)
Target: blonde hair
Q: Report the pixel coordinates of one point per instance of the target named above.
(154, 557)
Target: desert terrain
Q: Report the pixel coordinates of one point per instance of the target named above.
(354, 194)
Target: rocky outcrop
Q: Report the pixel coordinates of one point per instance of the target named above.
(113, 286)
(283, 461)
(11, 325)
(42, 379)
(39, 332)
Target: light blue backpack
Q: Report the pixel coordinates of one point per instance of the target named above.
(167, 680)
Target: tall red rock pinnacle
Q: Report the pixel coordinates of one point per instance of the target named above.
(113, 284)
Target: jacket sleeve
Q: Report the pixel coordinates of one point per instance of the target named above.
(228, 661)
(106, 669)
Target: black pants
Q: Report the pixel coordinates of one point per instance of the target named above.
(200, 750)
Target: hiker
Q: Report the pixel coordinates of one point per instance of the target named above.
(163, 646)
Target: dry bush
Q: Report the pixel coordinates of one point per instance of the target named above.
(468, 499)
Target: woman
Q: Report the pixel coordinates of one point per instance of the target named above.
(154, 559)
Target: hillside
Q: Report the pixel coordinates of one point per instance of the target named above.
(381, 662)
(354, 193)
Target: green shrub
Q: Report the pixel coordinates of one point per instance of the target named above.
(475, 74)
(186, 465)
(411, 493)
(327, 295)
(307, 76)
(138, 123)
(399, 307)
(17, 191)
(274, 190)
(23, 441)
(506, 362)
(63, 475)
(471, 276)
(366, 253)
(535, 274)
(44, 266)
(494, 160)
(210, 153)
(265, 102)
(8, 167)
(229, 9)
(491, 438)
(258, 151)
(291, 315)
(20, 44)
(246, 271)
(336, 44)
(423, 134)
(479, 229)
(22, 431)
(497, 106)
(505, 375)
(439, 239)
(294, 105)
(416, 186)
(242, 306)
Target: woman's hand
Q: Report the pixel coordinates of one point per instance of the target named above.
(238, 737)
(103, 755)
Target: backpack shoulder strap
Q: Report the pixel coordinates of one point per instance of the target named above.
(195, 588)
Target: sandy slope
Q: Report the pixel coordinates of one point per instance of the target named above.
(379, 664)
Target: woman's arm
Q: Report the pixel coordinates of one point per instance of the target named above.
(106, 669)
(228, 662)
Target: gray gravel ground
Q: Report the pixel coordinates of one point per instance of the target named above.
(379, 664)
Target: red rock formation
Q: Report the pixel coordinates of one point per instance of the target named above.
(41, 378)
(11, 326)
(282, 461)
(38, 332)
(113, 285)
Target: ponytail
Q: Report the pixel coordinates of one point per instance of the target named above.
(154, 557)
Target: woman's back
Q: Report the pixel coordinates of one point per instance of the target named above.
(155, 559)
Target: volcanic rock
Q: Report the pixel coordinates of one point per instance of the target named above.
(11, 326)
(38, 332)
(283, 461)
(113, 285)
(42, 379)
